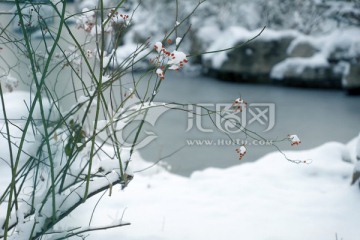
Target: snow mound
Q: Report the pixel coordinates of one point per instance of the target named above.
(284, 200)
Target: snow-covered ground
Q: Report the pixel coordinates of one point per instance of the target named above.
(267, 199)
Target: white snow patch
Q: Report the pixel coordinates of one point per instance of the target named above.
(236, 35)
(282, 199)
(129, 53)
(341, 44)
(297, 65)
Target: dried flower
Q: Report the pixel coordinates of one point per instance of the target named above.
(241, 151)
(294, 139)
(160, 73)
(158, 47)
(238, 104)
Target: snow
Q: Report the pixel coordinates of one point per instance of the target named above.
(177, 58)
(87, 20)
(129, 53)
(208, 34)
(178, 41)
(347, 41)
(340, 44)
(241, 151)
(215, 20)
(83, 99)
(158, 46)
(343, 44)
(266, 199)
(106, 78)
(160, 73)
(238, 36)
(294, 139)
(9, 82)
(108, 58)
(19, 107)
(297, 65)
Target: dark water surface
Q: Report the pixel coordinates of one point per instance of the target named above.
(316, 115)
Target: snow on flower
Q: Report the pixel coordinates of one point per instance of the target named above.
(129, 93)
(89, 54)
(158, 46)
(294, 139)
(177, 58)
(241, 151)
(238, 104)
(87, 20)
(174, 60)
(116, 18)
(174, 67)
(160, 73)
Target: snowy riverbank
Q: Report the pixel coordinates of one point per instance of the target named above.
(268, 199)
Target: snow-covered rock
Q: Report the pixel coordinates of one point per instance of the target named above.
(252, 62)
(314, 71)
(322, 61)
(294, 58)
(303, 50)
(276, 54)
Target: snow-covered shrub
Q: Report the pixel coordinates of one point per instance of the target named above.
(64, 143)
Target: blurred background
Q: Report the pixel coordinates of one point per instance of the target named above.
(306, 63)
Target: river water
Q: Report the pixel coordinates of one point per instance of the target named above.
(316, 116)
